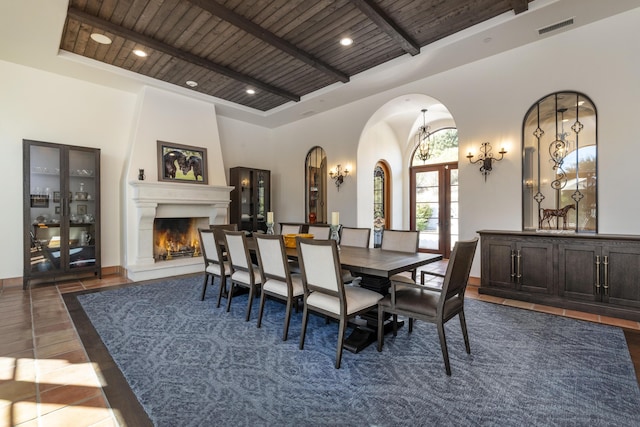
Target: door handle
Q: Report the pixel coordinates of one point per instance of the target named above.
(597, 285)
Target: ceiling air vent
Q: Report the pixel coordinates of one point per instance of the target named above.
(555, 26)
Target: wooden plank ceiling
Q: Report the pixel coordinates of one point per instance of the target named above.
(283, 49)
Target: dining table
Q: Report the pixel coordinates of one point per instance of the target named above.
(375, 266)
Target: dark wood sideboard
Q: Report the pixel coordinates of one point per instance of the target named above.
(594, 273)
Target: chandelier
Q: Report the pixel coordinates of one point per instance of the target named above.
(423, 140)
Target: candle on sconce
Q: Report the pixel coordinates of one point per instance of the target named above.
(269, 217)
(335, 218)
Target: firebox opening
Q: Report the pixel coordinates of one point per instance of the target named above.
(175, 238)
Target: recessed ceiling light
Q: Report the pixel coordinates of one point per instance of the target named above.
(100, 38)
(251, 91)
(346, 41)
(191, 83)
(140, 53)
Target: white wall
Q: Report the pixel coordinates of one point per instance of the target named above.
(47, 107)
(488, 100)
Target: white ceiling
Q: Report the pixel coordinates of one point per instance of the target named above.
(30, 32)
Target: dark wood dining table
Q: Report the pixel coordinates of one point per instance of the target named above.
(375, 266)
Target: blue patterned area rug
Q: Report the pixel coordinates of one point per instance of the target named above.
(192, 364)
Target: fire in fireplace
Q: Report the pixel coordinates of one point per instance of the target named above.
(175, 238)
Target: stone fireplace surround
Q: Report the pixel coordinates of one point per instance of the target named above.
(148, 200)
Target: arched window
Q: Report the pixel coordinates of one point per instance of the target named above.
(559, 164)
(316, 185)
(444, 148)
(381, 197)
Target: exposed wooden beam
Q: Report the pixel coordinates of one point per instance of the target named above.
(178, 53)
(386, 24)
(519, 6)
(255, 30)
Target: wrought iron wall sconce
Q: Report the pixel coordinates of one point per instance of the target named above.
(339, 175)
(486, 157)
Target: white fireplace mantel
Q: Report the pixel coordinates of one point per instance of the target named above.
(149, 200)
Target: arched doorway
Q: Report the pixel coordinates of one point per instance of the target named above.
(434, 193)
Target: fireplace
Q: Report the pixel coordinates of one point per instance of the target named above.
(176, 238)
(172, 204)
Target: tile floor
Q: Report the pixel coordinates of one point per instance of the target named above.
(46, 378)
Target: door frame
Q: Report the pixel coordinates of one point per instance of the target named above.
(444, 200)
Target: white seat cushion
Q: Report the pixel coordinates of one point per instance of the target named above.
(280, 288)
(243, 276)
(215, 269)
(357, 299)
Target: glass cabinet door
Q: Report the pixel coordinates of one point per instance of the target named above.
(82, 209)
(61, 210)
(44, 208)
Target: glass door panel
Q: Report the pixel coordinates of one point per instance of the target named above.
(45, 208)
(453, 207)
(427, 208)
(82, 209)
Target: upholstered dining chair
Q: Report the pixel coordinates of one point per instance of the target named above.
(290, 229)
(277, 281)
(433, 305)
(355, 237)
(401, 241)
(324, 290)
(321, 232)
(214, 263)
(243, 272)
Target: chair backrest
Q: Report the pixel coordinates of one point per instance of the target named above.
(358, 237)
(321, 232)
(231, 227)
(236, 243)
(458, 269)
(290, 229)
(400, 240)
(209, 244)
(320, 266)
(272, 256)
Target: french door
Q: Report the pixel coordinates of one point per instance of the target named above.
(434, 206)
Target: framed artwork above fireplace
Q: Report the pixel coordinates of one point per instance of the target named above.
(182, 163)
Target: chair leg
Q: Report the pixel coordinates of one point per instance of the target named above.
(341, 331)
(262, 299)
(287, 319)
(380, 328)
(230, 296)
(395, 325)
(223, 287)
(410, 324)
(204, 286)
(463, 324)
(305, 315)
(250, 303)
(443, 346)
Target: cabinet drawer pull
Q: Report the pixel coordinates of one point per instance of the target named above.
(605, 285)
(519, 275)
(513, 265)
(597, 274)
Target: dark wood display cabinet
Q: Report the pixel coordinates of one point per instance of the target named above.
(61, 211)
(250, 198)
(595, 273)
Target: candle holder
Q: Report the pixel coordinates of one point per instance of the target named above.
(269, 228)
(335, 235)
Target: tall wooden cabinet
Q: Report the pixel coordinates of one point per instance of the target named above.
(250, 198)
(588, 272)
(61, 211)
